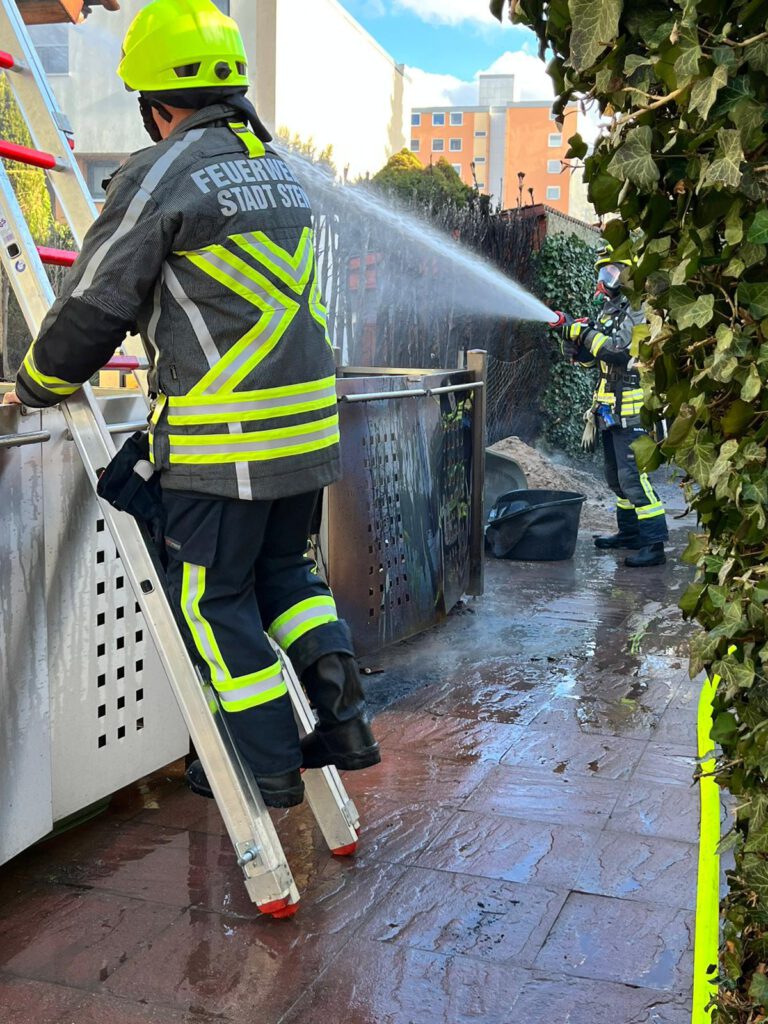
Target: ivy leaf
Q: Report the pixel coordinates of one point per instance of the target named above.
(749, 118)
(595, 27)
(688, 310)
(724, 728)
(758, 988)
(577, 148)
(752, 386)
(497, 8)
(702, 458)
(734, 92)
(604, 192)
(738, 416)
(704, 92)
(757, 56)
(689, 602)
(725, 169)
(696, 548)
(754, 295)
(633, 160)
(647, 453)
(758, 229)
(687, 64)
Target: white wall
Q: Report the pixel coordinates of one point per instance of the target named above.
(335, 84)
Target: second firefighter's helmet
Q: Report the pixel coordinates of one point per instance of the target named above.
(183, 44)
(610, 271)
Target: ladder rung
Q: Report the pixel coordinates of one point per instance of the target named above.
(9, 63)
(57, 257)
(24, 155)
(126, 363)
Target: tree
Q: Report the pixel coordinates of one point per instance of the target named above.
(683, 164)
(435, 186)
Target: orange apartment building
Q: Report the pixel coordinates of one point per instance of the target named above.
(503, 139)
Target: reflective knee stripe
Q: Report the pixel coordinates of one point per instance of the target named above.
(53, 385)
(192, 590)
(622, 503)
(301, 618)
(254, 147)
(242, 406)
(237, 693)
(254, 446)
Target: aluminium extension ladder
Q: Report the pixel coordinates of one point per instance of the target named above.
(268, 877)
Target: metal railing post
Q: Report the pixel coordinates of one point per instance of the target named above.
(477, 362)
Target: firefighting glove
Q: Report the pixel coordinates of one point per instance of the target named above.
(589, 437)
(572, 332)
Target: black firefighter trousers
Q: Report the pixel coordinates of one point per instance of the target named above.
(238, 568)
(639, 511)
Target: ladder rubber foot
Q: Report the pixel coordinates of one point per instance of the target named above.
(345, 851)
(279, 908)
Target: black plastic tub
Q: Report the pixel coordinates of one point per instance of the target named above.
(534, 526)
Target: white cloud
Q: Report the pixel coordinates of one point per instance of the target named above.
(450, 12)
(531, 82)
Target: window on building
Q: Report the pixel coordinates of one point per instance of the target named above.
(481, 184)
(52, 45)
(455, 145)
(553, 191)
(414, 145)
(96, 172)
(480, 135)
(457, 117)
(479, 159)
(438, 145)
(416, 120)
(438, 120)
(457, 168)
(554, 166)
(555, 140)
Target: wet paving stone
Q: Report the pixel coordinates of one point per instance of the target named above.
(410, 777)
(667, 767)
(650, 809)
(397, 984)
(97, 1008)
(645, 868)
(443, 912)
(536, 795)
(76, 938)
(575, 753)
(510, 849)
(25, 1001)
(643, 944)
(456, 739)
(397, 833)
(578, 1001)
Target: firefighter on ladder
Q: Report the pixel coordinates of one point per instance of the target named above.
(615, 412)
(205, 243)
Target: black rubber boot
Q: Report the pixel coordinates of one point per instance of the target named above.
(343, 735)
(348, 746)
(617, 540)
(651, 554)
(285, 789)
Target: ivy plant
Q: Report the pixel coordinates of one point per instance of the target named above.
(682, 168)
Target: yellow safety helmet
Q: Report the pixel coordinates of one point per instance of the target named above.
(605, 257)
(183, 44)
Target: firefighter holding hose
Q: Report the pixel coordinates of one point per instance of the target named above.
(615, 412)
(205, 242)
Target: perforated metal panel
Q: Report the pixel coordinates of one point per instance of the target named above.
(114, 718)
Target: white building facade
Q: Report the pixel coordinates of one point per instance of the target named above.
(314, 72)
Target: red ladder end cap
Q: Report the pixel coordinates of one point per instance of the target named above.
(345, 851)
(279, 908)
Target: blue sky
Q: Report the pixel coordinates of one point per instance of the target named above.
(446, 43)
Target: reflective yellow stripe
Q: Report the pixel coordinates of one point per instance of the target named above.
(597, 343)
(236, 693)
(253, 146)
(301, 618)
(153, 421)
(707, 935)
(624, 504)
(292, 270)
(54, 385)
(278, 310)
(317, 309)
(243, 406)
(254, 446)
(192, 590)
(650, 511)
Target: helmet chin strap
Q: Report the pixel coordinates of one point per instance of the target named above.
(146, 107)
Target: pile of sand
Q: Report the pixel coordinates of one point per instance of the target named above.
(541, 472)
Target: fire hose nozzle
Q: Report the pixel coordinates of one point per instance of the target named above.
(561, 318)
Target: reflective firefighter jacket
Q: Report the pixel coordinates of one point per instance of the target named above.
(205, 244)
(608, 345)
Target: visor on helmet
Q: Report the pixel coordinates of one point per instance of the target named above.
(609, 279)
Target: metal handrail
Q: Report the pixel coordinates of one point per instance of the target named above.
(19, 440)
(378, 396)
